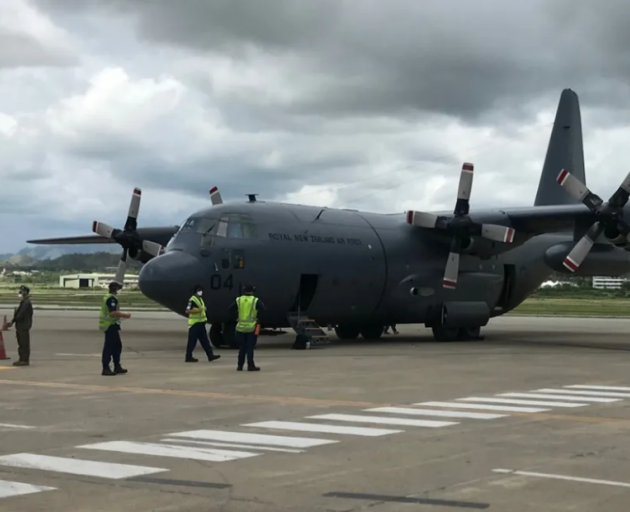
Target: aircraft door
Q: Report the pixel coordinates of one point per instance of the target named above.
(306, 293)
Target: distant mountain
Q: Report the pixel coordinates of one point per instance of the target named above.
(51, 252)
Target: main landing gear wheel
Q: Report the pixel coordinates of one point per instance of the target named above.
(372, 332)
(347, 332)
(441, 333)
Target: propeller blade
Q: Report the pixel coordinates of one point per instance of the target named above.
(102, 229)
(578, 190)
(151, 248)
(498, 233)
(134, 208)
(122, 269)
(452, 266)
(215, 196)
(621, 195)
(465, 187)
(575, 258)
(421, 219)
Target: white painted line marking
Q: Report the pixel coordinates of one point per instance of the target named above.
(460, 405)
(562, 477)
(330, 429)
(587, 393)
(521, 402)
(603, 388)
(384, 421)
(75, 466)
(562, 397)
(13, 425)
(9, 489)
(232, 445)
(249, 438)
(79, 355)
(435, 412)
(164, 450)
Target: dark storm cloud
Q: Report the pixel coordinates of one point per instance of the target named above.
(398, 57)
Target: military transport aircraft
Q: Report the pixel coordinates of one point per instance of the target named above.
(361, 271)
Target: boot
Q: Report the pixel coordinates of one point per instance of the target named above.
(107, 371)
(191, 359)
(119, 369)
(253, 368)
(21, 363)
(213, 357)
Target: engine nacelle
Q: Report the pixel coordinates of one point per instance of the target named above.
(140, 255)
(616, 239)
(465, 314)
(603, 260)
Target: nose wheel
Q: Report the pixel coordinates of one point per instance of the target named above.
(222, 336)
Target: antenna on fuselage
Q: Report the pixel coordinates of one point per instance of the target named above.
(252, 197)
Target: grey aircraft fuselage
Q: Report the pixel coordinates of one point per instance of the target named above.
(343, 266)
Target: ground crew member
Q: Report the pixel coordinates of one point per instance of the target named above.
(247, 307)
(23, 321)
(109, 323)
(197, 319)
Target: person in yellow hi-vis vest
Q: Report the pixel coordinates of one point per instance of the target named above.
(197, 319)
(109, 323)
(247, 327)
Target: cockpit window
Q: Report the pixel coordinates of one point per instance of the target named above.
(230, 225)
(199, 225)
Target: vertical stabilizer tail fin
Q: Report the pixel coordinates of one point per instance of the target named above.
(565, 151)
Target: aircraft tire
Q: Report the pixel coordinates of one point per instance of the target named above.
(441, 333)
(372, 332)
(347, 332)
(470, 333)
(216, 336)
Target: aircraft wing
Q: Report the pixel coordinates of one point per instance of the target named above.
(536, 220)
(158, 235)
(73, 240)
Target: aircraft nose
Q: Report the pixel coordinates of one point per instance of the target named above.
(168, 279)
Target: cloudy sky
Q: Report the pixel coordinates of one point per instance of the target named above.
(367, 104)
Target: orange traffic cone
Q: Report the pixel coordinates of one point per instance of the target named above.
(5, 324)
(3, 352)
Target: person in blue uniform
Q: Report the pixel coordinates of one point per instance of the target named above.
(109, 323)
(247, 307)
(197, 319)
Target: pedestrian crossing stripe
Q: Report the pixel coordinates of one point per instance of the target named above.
(76, 466)
(10, 489)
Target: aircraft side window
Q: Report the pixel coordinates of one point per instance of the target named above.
(238, 259)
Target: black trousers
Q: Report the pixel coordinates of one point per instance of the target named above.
(197, 332)
(112, 348)
(247, 341)
(24, 344)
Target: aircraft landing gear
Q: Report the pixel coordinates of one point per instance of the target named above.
(441, 333)
(347, 331)
(372, 331)
(220, 337)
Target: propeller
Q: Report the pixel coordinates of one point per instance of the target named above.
(609, 216)
(127, 237)
(461, 226)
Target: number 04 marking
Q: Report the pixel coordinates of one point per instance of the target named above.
(217, 282)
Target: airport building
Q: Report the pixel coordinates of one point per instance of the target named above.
(95, 280)
(608, 283)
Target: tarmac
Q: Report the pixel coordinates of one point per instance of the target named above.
(535, 417)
